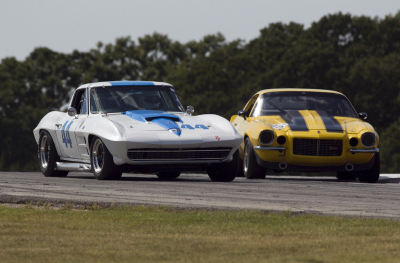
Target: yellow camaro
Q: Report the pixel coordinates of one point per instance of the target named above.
(306, 130)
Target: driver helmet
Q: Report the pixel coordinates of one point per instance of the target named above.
(150, 99)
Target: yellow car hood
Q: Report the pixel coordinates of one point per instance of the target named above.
(305, 120)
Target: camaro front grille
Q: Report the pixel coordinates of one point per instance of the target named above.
(316, 147)
(178, 154)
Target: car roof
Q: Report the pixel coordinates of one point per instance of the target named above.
(124, 83)
(298, 90)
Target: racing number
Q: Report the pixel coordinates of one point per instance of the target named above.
(66, 138)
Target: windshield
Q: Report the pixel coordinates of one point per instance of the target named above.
(126, 98)
(277, 103)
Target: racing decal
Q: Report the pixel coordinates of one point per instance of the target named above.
(66, 138)
(279, 126)
(168, 124)
(331, 124)
(197, 126)
(295, 120)
(216, 137)
(187, 126)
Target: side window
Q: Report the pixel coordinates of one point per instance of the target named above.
(250, 106)
(80, 102)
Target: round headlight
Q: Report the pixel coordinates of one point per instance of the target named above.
(368, 139)
(353, 142)
(281, 140)
(266, 137)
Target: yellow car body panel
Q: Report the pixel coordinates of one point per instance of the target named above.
(315, 127)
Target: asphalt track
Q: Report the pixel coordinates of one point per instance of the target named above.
(308, 194)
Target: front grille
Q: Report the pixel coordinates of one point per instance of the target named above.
(179, 154)
(316, 147)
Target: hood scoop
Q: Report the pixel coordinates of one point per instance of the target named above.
(161, 118)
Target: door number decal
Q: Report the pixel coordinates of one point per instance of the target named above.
(66, 138)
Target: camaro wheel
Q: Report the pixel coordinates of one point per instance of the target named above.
(224, 172)
(349, 176)
(168, 175)
(371, 175)
(251, 169)
(103, 166)
(48, 156)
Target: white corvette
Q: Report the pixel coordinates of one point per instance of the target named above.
(135, 126)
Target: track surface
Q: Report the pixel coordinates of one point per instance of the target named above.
(320, 195)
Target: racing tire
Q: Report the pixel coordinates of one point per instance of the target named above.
(371, 175)
(224, 172)
(240, 172)
(102, 163)
(251, 169)
(48, 156)
(168, 175)
(346, 176)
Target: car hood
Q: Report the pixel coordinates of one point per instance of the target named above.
(147, 120)
(306, 120)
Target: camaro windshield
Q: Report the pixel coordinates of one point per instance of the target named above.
(126, 98)
(277, 103)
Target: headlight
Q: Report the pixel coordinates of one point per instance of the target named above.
(368, 139)
(266, 137)
(353, 142)
(281, 140)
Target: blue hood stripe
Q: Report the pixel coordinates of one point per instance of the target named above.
(162, 118)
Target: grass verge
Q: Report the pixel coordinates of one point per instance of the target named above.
(161, 234)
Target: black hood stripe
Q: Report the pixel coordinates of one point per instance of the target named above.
(331, 124)
(295, 120)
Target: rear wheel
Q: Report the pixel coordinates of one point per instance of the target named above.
(224, 172)
(251, 169)
(168, 175)
(103, 166)
(348, 176)
(371, 175)
(48, 156)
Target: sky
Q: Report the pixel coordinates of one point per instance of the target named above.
(64, 26)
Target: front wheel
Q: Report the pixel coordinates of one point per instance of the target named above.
(371, 175)
(224, 172)
(101, 160)
(251, 168)
(168, 175)
(48, 156)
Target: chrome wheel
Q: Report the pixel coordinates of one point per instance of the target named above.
(44, 152)
(98, 156)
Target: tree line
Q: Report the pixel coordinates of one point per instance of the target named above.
(358, 56)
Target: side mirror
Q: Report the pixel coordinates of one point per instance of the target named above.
(242, 113)
(71, 111)
(363, 115)
(190, 110)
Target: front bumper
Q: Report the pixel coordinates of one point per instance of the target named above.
(309, 168)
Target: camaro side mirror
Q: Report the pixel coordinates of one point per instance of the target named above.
(363, 115)
(71, 111)
(242, 113)
(190, 110)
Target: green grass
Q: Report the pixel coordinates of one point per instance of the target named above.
(160, 234)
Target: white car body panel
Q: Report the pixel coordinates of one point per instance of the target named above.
(120, 132)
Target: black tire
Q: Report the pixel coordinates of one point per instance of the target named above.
(101, 160)
(251, 169)
(48, 156)
(240, 172)
(224, 172)
(346, 176)
(371, 175)
(168, 175)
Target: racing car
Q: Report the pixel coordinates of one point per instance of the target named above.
(306, 130)
(119, 127)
